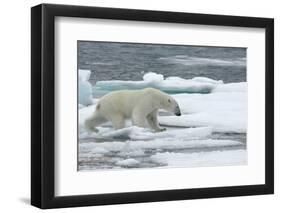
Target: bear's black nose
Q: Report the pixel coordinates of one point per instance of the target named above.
(178, 113)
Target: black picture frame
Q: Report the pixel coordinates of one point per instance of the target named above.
(43, 105)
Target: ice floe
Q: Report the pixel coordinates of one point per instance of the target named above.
(169, 85)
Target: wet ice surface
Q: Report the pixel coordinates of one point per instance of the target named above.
(197, 147)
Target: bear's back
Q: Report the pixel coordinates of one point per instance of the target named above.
(122, 101)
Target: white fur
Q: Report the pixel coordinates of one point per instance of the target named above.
(140, 106)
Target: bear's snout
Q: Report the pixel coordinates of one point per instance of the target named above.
(177, 111)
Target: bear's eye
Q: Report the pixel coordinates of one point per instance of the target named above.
(169, 100)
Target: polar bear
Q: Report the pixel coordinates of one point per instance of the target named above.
(140, 106)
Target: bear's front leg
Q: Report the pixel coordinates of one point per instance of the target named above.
(118, 121)
(153, 121)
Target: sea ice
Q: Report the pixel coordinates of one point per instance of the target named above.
(169, 85)
(85, 88)
(208, 106)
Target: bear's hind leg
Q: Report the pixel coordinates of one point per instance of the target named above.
(95, 120)
(118, 121)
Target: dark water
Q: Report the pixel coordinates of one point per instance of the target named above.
(129, 61)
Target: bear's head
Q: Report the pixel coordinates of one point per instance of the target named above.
(162, 100)
(170, 104)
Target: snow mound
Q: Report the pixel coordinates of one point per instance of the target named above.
(153, 77)
(127, 162)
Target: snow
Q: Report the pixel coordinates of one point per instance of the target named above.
(202, 159)
(85, 88)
